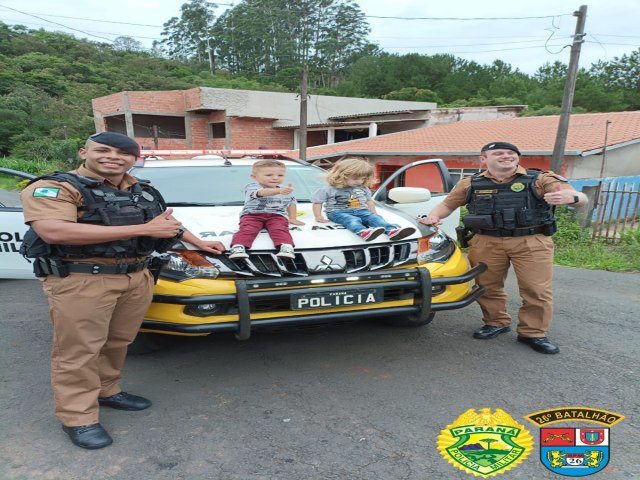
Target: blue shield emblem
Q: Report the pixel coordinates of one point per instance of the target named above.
(574, 452)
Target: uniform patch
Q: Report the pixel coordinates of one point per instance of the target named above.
(485, 443)
(517, 187)
(574, 452)
(46, 192)
(487, 191)
(559, 177)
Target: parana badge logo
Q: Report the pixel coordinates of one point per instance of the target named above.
(574, 452)
(485, 443)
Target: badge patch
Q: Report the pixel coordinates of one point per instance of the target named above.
(517, 187)
(574, 452)
(46, 192)
(577, 457)
(485, 443)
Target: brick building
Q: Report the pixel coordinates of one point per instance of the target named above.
(214, 118)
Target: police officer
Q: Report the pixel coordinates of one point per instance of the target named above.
(511, 217)
(92, 230)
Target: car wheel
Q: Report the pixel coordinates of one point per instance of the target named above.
(407, 321)
(146, 342)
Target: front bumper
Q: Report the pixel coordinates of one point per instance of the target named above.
(406, 292)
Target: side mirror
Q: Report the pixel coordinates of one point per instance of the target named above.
(409, 195)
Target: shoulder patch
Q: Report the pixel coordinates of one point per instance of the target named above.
(555, 175)
(46, 192)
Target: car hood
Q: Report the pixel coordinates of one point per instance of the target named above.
(220, 223)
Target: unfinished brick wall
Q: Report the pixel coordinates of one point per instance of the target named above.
(154, 103)
(252, 133)
(244, 133)
(108, 105)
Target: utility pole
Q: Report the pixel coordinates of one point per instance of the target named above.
(569, 89)
(302, 132)
(210, 53)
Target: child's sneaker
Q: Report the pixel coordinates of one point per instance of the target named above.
(238, 251)
(400, 233)
(371, 233)
(286, 251)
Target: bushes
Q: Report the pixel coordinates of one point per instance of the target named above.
(575, 248)
(34, 167)
(569, 230)
(45, 149)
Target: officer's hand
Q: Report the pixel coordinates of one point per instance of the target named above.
(560, 196)
(212, 247)
(163, 226)
(430, 220)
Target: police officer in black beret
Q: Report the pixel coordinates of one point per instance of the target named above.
(511, 219)
(92, 231)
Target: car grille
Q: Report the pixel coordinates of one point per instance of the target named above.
(315, 262)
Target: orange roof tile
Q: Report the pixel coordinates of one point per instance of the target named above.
(532, 135)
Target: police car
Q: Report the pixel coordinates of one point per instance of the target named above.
(335, 275)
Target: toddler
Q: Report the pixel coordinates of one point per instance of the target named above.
(347, 201)
(267, 205)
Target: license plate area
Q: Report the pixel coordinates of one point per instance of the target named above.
(336, 299)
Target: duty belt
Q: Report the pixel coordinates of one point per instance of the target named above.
(108, 269)
(517, 232)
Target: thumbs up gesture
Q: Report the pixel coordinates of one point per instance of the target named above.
(286, 190)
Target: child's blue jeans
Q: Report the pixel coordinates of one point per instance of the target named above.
(358, 219)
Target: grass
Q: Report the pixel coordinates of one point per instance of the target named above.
(575, 248)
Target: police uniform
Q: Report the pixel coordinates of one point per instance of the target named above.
(523, 241)
(95, 314)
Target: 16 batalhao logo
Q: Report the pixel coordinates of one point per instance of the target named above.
(485, 443)
(574, 452)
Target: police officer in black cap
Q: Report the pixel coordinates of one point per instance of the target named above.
(92, 231)
(511, 219)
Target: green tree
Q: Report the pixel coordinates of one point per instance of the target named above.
(189, 36)
(127, 44)
(413, 94)
(622, 74)
(488, 441)
(267, 37)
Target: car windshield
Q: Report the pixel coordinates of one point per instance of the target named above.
(218, 185)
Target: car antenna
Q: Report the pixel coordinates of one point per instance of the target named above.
(227, 163)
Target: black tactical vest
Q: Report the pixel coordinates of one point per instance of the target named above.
(103, 205)
(502, 208)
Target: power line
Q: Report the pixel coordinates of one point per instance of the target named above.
(55, 23)
(462, 19)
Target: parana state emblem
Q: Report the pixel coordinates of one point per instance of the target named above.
(485, 443)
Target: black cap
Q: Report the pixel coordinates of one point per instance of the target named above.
(500, 146)
(117, 140)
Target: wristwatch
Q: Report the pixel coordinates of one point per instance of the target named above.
(576, 199)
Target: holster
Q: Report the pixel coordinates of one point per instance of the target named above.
(464, 234)
(156, 262)
(44, 266)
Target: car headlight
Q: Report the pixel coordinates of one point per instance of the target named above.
(435, 248)
(186, 264)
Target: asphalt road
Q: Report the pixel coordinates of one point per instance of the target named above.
(358, 401)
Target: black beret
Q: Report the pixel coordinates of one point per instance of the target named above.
(500, 146)
(117, 140)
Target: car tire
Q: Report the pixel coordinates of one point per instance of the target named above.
(407, 321)
(146, 342)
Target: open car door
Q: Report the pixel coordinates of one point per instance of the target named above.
(12, 226)
(431, 175)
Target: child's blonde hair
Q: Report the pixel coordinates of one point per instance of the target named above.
(267, 164)
(348, 168)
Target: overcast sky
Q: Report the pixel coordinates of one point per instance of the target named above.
(471, 29)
